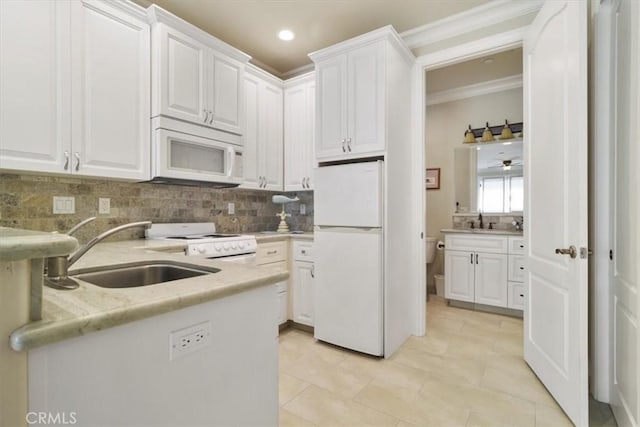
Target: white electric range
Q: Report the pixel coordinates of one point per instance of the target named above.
(203, 241)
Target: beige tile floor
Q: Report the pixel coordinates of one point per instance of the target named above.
(467, 371)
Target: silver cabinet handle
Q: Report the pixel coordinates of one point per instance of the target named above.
(264, 182)
(308, 182)
(66, 161)
(305, 182)
(471, 258)
(272, 252)
(343, 142)
(349, 144)
(313, 271)
(77, 155)
(206, 115)
(210, 117)
(571, 251)
(476, 258)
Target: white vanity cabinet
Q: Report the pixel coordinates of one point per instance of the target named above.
(517, 291)
(302, 278)
(480, 269)
(357, 86)
(263, 139)
(299, 120)
(75, 84)
(196, 77)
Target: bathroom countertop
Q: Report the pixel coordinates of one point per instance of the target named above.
(16, 244)
(69, 314)
(481, 231)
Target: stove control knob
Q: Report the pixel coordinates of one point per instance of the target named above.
(201, 249)
(218, 247)
(241, 245)
(226, 246)
(234, 245)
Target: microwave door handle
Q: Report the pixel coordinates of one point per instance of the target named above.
(231, 154)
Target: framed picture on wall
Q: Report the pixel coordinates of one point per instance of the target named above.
(432, 180)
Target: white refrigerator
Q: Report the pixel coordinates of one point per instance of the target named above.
(349, 263)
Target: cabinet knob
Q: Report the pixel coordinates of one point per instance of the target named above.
(521, 268)
(521, 295)
(210, 117)
(344, 150)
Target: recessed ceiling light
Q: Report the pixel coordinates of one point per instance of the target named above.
(286, 35)
(488, 61)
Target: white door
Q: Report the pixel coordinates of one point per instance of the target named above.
(226, 76)
(348, 288)
(459, 275)
(303, 276)
(110, 92)
(366, 103)
(491, 279)
(271, 141)
(555, 104)
(331, 104)
(626, 208)
(35, 85)
(182, 90)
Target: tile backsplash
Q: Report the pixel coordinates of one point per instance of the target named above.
(500, 221)
(26, 202)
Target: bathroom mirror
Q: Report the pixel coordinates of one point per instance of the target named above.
(488, 177)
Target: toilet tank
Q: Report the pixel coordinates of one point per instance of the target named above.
(431, 249)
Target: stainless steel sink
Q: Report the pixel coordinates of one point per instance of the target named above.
(140, 274)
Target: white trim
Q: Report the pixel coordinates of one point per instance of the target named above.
(476, 49)
(486, 15)
(298, 71)
(303, 78)
(264, 75)
(478, 89)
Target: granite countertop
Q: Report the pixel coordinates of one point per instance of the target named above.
(16, 244)
(481, 231)
(68, 314)
(273, 236)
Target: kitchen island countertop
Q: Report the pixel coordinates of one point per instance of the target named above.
(69, 314)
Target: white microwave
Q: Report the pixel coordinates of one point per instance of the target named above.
(182, 158)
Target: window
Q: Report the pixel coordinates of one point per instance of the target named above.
(500, 193)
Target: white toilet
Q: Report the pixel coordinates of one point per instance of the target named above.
(431, 249)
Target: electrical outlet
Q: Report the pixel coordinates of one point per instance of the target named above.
(189, 339)
(104, 205)
(303, 209)
(231, 208)
(64, 205)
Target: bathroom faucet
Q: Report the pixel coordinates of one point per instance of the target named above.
(481, 225)
(58, 267)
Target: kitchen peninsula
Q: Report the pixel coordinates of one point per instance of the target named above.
(193, 350)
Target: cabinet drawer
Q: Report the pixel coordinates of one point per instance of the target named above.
(517, 296)
(303, 251)
(271, 252)
(516, 245)
(516, 268)
(487, 244)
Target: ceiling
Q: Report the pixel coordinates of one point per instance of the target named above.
(503, 64)
(252, 25)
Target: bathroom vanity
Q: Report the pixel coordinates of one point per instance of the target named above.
(485, 268)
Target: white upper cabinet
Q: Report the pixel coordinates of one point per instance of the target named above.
(355, 89)
(196, 77)
(263, 139)
(75, 92)
(299, 118)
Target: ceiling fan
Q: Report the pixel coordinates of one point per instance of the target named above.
(507, 163)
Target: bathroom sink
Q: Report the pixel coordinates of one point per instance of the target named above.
(140, 274)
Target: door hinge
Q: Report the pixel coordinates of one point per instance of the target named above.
(611, 254)
(422, 234)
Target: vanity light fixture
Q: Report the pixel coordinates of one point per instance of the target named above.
(286, 35)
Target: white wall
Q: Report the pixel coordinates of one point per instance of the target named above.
(445, 126)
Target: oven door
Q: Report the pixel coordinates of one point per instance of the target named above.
(246, 259)
(188, 157)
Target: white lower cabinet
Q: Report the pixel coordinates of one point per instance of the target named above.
(483, 275)
(274, 255)
(302, 279)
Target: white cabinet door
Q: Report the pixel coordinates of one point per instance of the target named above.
(516, 268)
(299, 102)
(34, 85)
(331, 104)
(181, 69)
(272, 143)
(516, 296)
(250, 156)
(110, 92)
(491, 279)
(303, 275)
(366, 104)
(459, 275)
(225, 93)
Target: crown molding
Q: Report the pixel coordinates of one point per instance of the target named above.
(302, 78)
(305, 69)
(486, 15)
(478, 89)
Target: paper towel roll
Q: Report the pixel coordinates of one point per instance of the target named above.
(440, 245)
